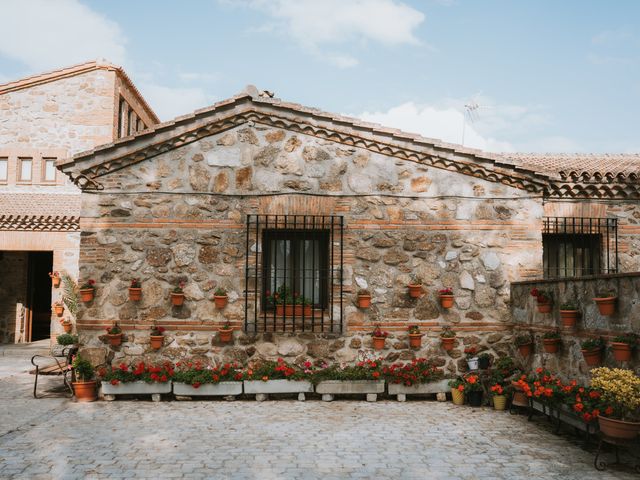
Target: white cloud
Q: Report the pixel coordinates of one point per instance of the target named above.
(313, 24)
(44, 34)
(170, 102)
(443, 123)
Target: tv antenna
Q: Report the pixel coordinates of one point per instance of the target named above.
(471, 111)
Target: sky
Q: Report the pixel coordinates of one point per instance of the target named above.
(524, 76)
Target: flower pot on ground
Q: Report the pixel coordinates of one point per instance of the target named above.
(415, 337)
(457, 391)
(606, 302)
(141, 379)
(156, 337)
(415, 287)
(622, 346)
(379, 338)
(520, 399)
(448, 339)
(114, 335)
(418, 377)
(267, 377)
(484, 360)
(225, 334)
(87, 290)
(197, 379)
(364, 299)
(473, 389)
(446, 297)
(135, 290)
(551, 342)
(220, 298)
(471, 355)
(620, 388)
(475, 398)
(524, 342)
(84, 386)
(543, 300)
(499, 396)
(592, 351)
(177, 295)
(58, 309)
(55, 279)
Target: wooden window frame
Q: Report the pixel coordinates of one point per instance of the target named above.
(43, 171)
(19, 179)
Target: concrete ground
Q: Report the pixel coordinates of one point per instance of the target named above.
(54, 438)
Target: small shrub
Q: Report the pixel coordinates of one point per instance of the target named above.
(67, 339)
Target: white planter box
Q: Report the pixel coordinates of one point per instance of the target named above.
(135, 388)
(350, 387)
(277, 386)
(208, 389)
(419, 389)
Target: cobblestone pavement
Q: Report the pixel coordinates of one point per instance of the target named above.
(55, 438)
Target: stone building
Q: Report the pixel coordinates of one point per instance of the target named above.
(44, 119)
(256, 195)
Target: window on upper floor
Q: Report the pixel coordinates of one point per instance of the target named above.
(25, 170)
(131, 124)
(122, 116)
(577, 246)
(49, 170)
(4, 169)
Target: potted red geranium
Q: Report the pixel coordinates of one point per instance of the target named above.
(379, 337)
(446, 297)
(114, 334)
(87, 290)
(135, 290)
(156, 338)
(543, 299)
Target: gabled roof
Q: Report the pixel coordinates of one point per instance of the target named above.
(252, 107)
(74, 70)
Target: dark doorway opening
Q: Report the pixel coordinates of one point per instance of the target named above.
(39, 296)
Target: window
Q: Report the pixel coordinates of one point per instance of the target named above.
(48, 169)
(4, 169)
(25, 172)
(140, 125)
(122, 116)
(293, 273)
(131, 126)
(576, 246)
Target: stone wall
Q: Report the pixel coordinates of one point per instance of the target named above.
(181, 217)
(13, 291)
(569, 362)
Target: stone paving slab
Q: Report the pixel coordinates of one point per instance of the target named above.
(280, 440)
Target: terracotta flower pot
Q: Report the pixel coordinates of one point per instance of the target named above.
(288, 309)
(526, 349)
(621, 351)
(225, 335)
(86, 294)
(415, 291)
(55, 281)
(67, 327)
(378, 343)
(177, 299)
(618, 428)
(446, 301)
(606, 305)
(300, 310)
(447, 343)
(500, 402)
(475, 398)
(220, 301)
(364, 301)
(551, 345)
(592, 357)
(279, 309)
(135, 294)
(115, 339)
(85, 391)
(58, 310)
(415, 340)
(457, 397)
(156, 341)
(569, 317)
(544, 307)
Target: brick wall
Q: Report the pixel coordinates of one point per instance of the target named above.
(13, 290)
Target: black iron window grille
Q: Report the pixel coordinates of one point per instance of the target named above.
(577, 246)
(293, 273)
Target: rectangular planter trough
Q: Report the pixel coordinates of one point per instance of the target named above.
(220, 389)
(329, 388)
(135, 388)
(440, 386)
(262, 389)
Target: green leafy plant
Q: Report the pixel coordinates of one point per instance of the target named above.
(179, 288)
(366, 370)
(472, 383)
(364, 292)
(605, 293)
(447, 333)
(414, 329)
(415, 280)
(569, 306)
(486, 355)
(83, 369)
(278, 370)
(629, 338)
(114, 329)
(135, 283)
(67, 339)
(555, 335)
(156, 331)
(88, 285)
(141, 372)
(226, 326)
(70, 294)
(220, 292)
(195, 373)
(419, 371)
(592, 344)
(523, 339)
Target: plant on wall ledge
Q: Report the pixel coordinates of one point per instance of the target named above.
(379, 337)
(364, 298)
(114, 334)
(87, 290)
(220, 297)
(569, 314)
(446, 297)
(551, 341)
(135, 290)
(592, 351)
(524, 342)
(225, 334)
(156, 337)
(177, 295)
(623, 345)
(58, 308)
(415, 337)
(55, 279)
(66, 325)
(448, 338)
(606, 302)
(543, 299)
(415, 287)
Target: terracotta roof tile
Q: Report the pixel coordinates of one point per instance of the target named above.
(581, 166)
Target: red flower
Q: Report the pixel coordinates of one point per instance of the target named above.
(375, 374)
(609, 410)
(124, 367)
(578, 407)
(115, 381)
(163, 378)
(535, 292)
(196, 384)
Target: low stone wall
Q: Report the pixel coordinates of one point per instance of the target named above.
(569, 361)
(295, 348)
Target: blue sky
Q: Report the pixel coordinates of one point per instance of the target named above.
(545, 75)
